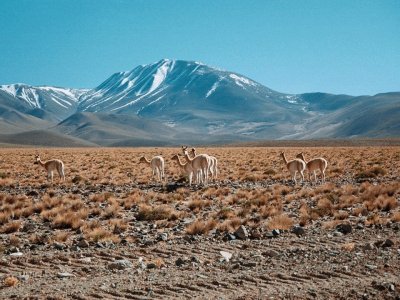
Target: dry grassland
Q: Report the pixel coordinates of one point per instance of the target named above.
(109, 200)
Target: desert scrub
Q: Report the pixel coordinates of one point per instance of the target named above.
(199, 227)
(371, 173)
(150, 213)
(282, 221)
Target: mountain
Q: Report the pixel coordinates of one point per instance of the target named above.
(172, 102)
(194, 97)
(44, 102)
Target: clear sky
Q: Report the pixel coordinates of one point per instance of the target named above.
(293, 46)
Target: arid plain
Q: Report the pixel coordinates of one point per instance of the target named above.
(110, 231)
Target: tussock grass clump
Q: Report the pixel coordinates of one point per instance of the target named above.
(371, 173)
(226, 213)
(69, 220)
(100, 234)
(282, 221)
(61, 236)
(230, 225)
(118, 225)
(200, 227)
(150, 213)
(10, 281)
(198, 204)
(11, 227)
(395, 217)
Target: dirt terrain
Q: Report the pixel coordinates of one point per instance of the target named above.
(110, 231)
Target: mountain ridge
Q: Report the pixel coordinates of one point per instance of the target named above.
(186, 100)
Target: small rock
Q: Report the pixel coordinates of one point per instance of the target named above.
(86, 260)
(83, 244)
(141, 263)
(195, 259)
(229, 237)
(344, 228)
(242, 233)
(120, 264)
(337, 233)
(369, 246)
(387, 243)
(270, 253)
(75, 248)
(297, 230)
(255, 234)
(151, 266)
(23, 277)
(371, 267)
(28, 227)
(58, 246)
(16, 254)
(276, 232)
(32, 193)
(360, 226)
(250, 264)
(226, 255)
(163, 237)
(180, 262)
(65, 275)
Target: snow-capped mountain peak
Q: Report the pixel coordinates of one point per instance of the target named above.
(62, 101)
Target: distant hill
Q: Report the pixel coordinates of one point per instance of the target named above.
(174, 101)
(44, 137)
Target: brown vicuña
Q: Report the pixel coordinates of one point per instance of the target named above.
(50, 166)
(314, 165)
(294, 166)
(156, 164)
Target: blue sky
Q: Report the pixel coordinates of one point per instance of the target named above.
(350, 47)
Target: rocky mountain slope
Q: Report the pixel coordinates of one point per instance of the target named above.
(173, 101)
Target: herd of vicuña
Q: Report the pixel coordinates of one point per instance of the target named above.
(200, 168)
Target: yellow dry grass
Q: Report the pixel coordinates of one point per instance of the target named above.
(106, 187)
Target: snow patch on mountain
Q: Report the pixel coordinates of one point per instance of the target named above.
(241, 80)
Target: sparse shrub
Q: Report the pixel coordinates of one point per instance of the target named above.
(100, 234)
(10, 281)
(14, 240)
(61, 236)
(371, 173)
(348, 247)
(11, 227)
(199, 227)
(341, 215)
(198, 204)
(67, 220)
(3, 175)
(270, 172)
(149, 213)
(118, 225)
(330, 224)
(282, 221)
(395, 217)
(77, 179)
(4, 217)
(226, 213)
(324, 207)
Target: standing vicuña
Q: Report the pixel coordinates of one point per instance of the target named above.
(157, 166)
(186, 168)
(294, 166)
(314, 165)
(200, 165)
(50, 166)
(213, 167)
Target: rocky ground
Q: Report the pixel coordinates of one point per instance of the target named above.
(352, 260)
